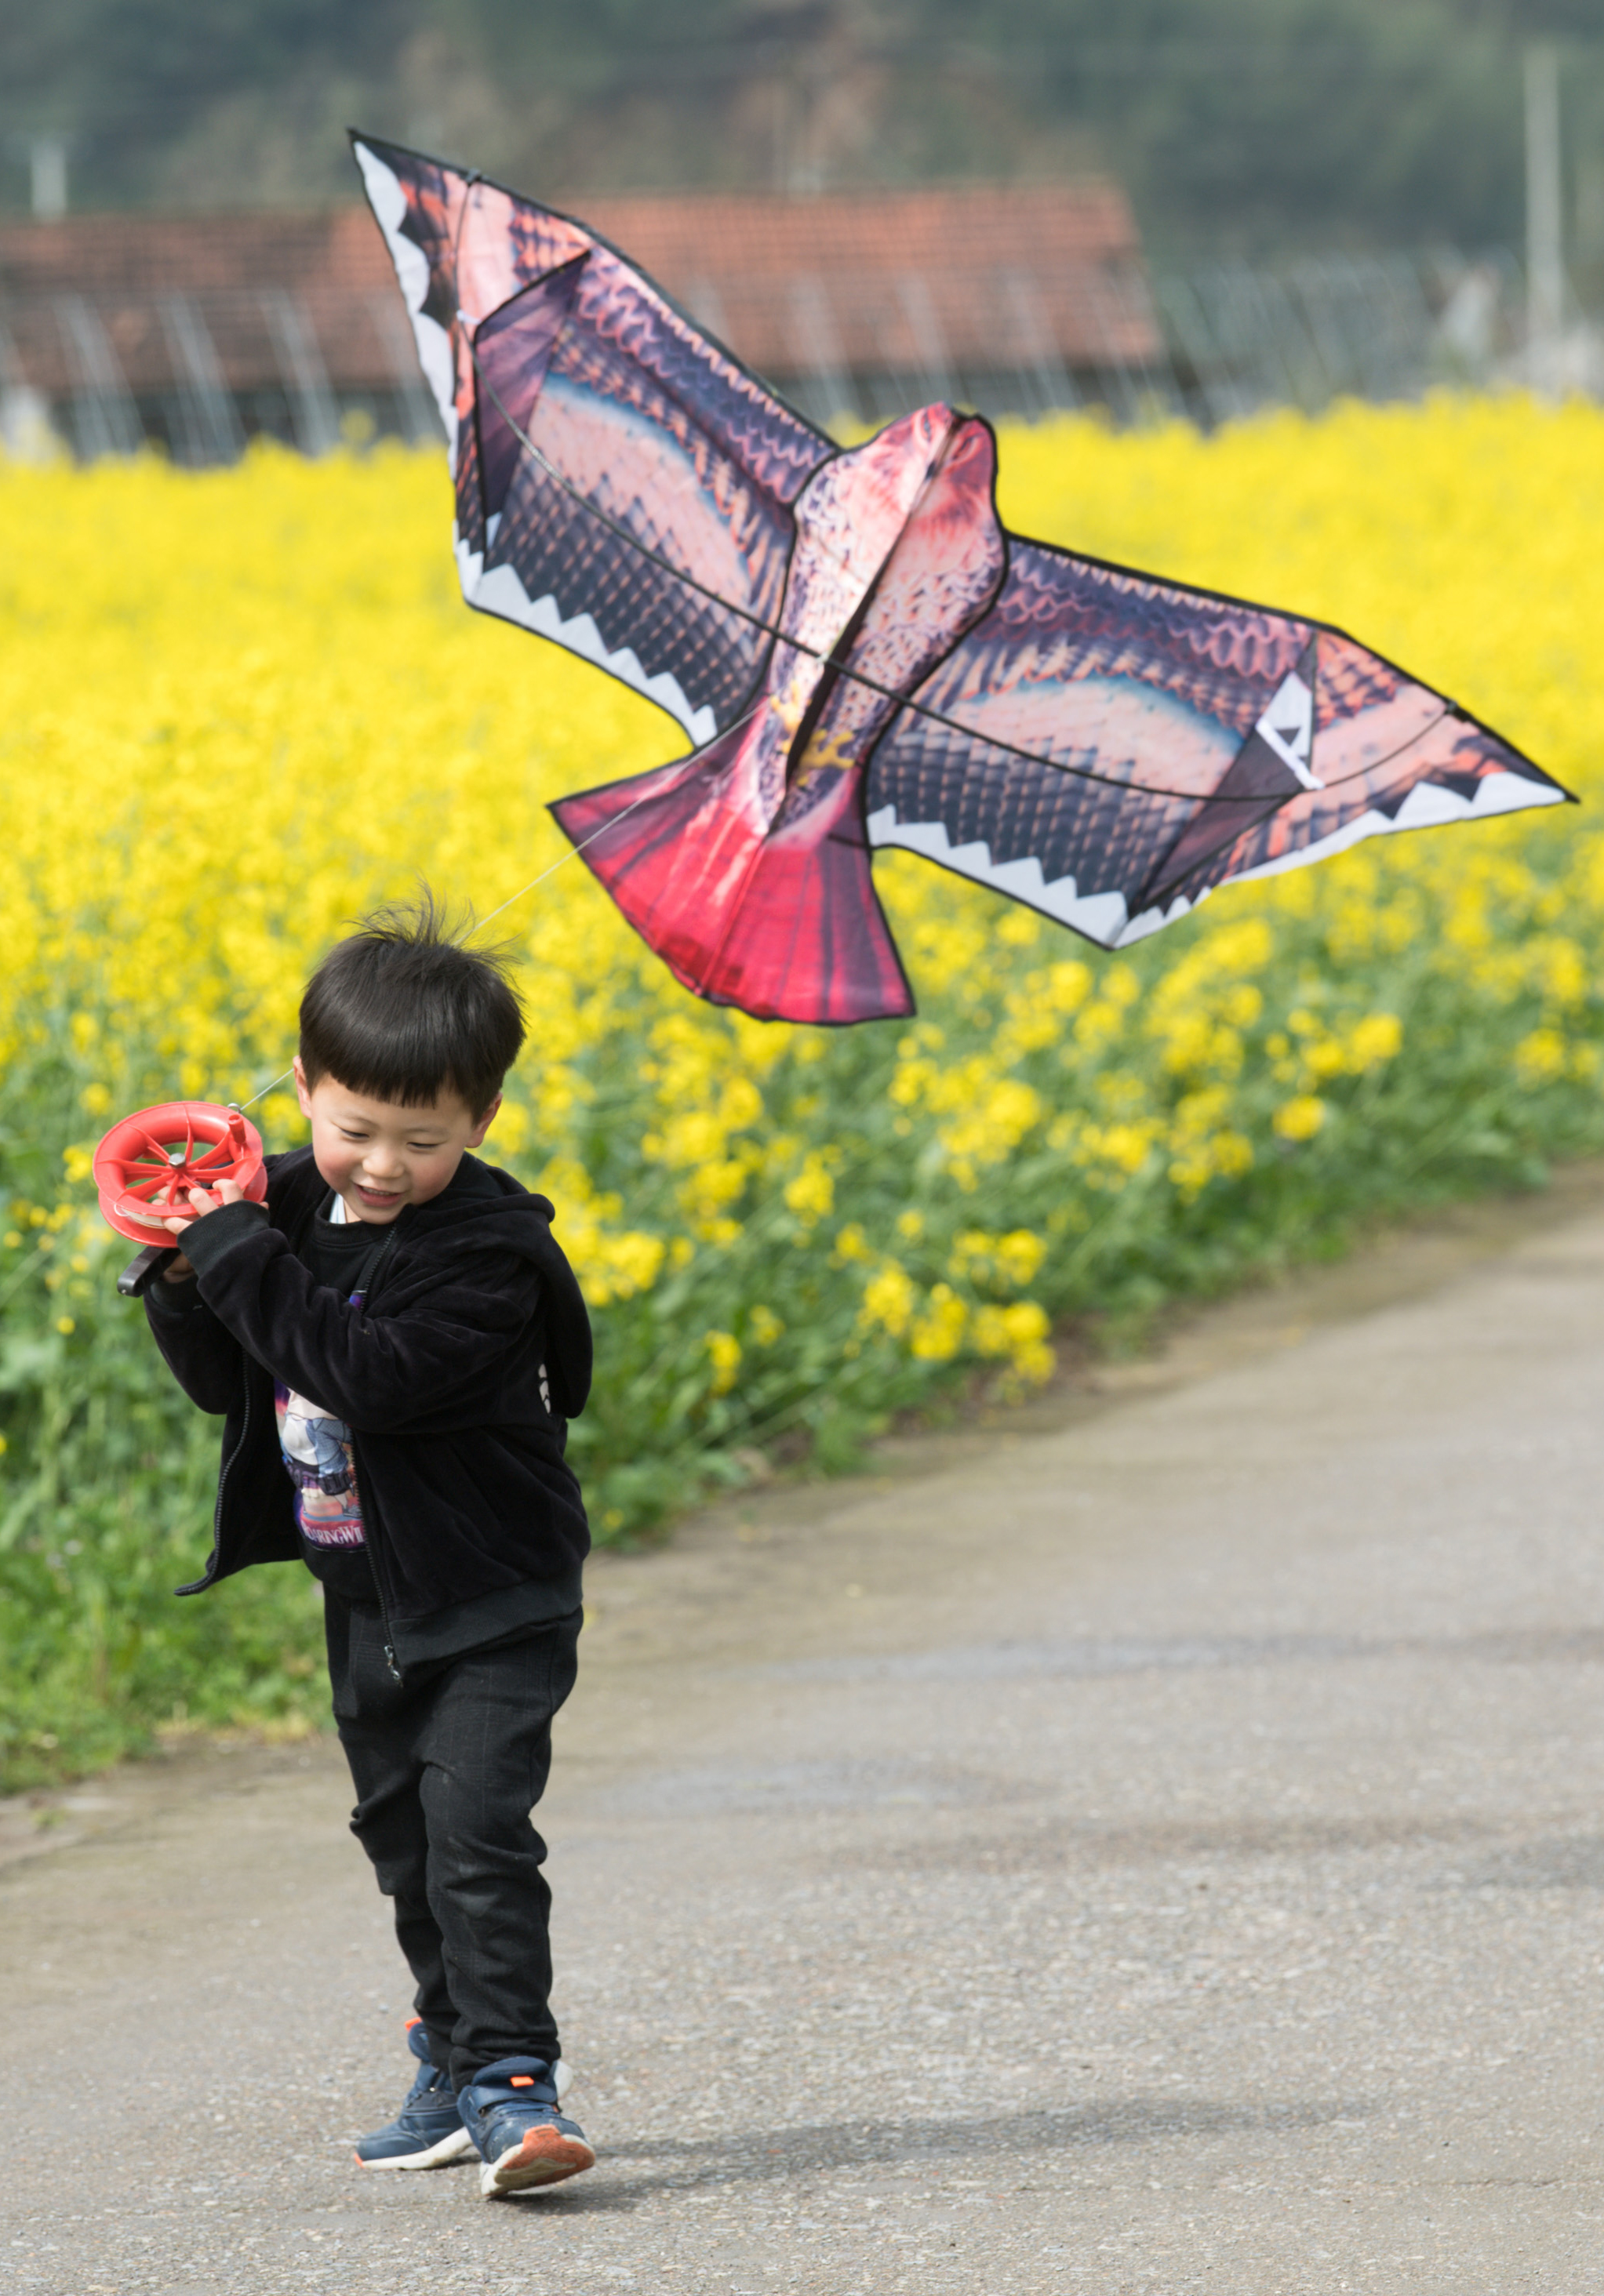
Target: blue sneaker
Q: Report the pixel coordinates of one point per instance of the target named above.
(511, 2109)
(428, 2132)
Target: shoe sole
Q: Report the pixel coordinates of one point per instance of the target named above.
(543, 2157)
(458, 2146)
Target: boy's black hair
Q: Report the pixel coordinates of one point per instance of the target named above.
(404, 1011)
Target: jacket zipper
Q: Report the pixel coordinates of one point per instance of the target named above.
(389, 1651)
(390, 1648)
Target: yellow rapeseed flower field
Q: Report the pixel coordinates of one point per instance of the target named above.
(239, 708)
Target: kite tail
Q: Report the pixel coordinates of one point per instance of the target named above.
(786, 925)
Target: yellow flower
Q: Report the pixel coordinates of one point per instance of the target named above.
(1541, 1057)
(725, 1349)
(1067, 985)
(888, 1299)
(1018, 1333)
(938, 1333)
(812, 1193)
(1375, 1038)
(1300, 1119)
(510, 1129)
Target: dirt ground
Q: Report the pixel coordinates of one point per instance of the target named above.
(1153, 1843)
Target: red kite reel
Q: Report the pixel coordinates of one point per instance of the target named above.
(149, 1161)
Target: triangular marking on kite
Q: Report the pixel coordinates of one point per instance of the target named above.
(1155, 919)
(1288, 727)
(1099, 916)
(500, 591)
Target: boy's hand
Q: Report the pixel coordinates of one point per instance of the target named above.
(207, 1200)
(204, 1199)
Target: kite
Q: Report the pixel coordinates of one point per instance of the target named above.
(860, 652)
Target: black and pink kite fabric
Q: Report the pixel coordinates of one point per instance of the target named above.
(860, 652)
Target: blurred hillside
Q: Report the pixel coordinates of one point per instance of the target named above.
(1248, 125)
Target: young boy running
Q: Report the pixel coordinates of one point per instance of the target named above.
(396, 1343)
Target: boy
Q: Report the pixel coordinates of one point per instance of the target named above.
(396, 1343)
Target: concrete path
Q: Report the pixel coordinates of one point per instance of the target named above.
(1158, 1850)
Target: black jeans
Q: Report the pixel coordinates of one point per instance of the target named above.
(448, 1767)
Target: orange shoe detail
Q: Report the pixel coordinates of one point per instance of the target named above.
(543, 2157)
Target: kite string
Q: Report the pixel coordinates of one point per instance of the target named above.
(612, 823)
(244, 1104)
(550, 870)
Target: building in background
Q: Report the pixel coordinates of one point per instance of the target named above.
(1015, 298)
(198, 333)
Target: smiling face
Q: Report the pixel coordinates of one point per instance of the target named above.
(378, 1156)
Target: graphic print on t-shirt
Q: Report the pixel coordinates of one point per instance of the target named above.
(317, 1453)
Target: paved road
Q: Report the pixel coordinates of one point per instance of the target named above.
(1157, 1851)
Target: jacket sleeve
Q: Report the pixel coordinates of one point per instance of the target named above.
(377, 1373)
(203, 1357)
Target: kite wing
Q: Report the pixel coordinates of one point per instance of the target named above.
(1109, 748)
(651, 526)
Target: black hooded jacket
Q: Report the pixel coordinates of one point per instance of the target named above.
(457, 1376)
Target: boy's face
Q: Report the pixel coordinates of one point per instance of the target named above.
(379, 1157)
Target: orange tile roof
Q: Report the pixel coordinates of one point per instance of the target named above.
(931, 282)
(131, 256)
(1010, 271)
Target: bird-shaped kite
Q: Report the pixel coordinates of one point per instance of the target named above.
(862, 654)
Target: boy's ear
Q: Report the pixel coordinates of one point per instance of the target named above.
(301, 1094)
(483, 1123)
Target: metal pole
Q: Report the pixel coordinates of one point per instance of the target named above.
(210, 420)
(1039, 356)
(819, 351)
(106, 420)
(416, 404)
(1545, 257)
(929, 342)
(313, 414)
(47, 177)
